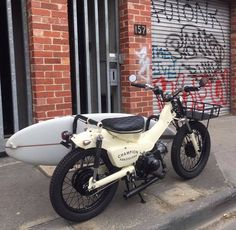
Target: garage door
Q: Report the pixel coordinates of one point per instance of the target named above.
(190, 39)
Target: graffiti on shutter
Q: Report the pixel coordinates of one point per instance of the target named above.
(190, 40)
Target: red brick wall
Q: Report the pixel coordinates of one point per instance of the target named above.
(49, 55)
(233, 57)
(134, 12)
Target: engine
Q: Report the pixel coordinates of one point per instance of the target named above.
(152, 163)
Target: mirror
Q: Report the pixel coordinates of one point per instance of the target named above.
(203, 81)
(132, 78)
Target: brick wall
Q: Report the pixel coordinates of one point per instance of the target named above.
(49, 54)
(233, 57)
(134, 12)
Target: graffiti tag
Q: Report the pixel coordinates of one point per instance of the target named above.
(144, 63)
(195, 43)
(191, 11)
(163, 62)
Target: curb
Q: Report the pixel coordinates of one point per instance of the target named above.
(188, 216)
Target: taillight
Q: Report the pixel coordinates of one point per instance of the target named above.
(66, 135)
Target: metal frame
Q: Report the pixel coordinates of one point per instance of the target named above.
(118, 55)
(88, 78)
(27, 61)
(107, 56)
(12, 65)
(1, 123)
(76, 56)
(97, 56)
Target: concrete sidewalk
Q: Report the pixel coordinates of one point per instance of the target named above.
(170, 204)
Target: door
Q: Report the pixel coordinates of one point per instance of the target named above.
(94, 55)
(191, 39)
(15, 90)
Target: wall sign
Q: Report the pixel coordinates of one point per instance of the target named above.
(140, 29)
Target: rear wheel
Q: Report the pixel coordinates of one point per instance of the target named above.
(68, 188)
(185, 161)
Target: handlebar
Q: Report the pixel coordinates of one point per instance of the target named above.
(158, 91)
(139, 85)
(188, 89)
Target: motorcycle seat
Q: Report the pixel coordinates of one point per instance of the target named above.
(130, 124)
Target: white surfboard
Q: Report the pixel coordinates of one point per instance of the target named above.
(39, 144)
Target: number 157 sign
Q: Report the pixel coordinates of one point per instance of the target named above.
(140, 29)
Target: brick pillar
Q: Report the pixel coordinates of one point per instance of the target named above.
(233, 57)
(134, 12)
(49, 55)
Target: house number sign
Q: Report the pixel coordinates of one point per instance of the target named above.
(140, 29)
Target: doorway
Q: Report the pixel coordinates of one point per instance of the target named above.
(15, 90)
(94, 42)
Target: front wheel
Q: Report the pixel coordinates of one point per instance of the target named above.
(69, 195)
(185, 161)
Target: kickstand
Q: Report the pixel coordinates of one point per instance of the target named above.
(141, 198)
(140, 195)
(134, 185)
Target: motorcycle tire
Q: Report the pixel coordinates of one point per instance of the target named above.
(186, 163)
(68, 188)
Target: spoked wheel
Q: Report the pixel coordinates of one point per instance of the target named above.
(186, 162)
(69, 192)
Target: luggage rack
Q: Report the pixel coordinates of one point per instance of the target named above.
(195, 110)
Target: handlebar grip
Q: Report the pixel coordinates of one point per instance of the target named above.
(83, 118)
(92, 122)
(190, 88)
(139, 85)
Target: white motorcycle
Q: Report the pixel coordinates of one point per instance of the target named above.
(86, 179)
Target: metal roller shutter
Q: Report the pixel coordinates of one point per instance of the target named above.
(191, 39)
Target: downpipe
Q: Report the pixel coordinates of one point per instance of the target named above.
(115, 176)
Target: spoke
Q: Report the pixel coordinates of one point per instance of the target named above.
(88, 200)
(73, 196)
(69, 196)
(69, 179)
(78, 200)
(82, 202)
(67, 183)
(63, 189)
(69, 193)
(191, 163)
(187, 163)
(75, 200)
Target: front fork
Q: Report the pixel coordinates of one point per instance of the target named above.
(193, 138)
